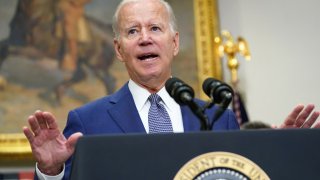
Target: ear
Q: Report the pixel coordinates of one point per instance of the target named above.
(176, 43)
(117, 49)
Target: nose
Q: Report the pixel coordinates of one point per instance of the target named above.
(145, 38)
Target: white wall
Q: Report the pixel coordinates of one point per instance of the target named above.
(284, 39)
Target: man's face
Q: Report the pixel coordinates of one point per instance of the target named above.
(146, 43)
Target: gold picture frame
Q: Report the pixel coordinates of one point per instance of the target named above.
(206, 27)
(15, 150)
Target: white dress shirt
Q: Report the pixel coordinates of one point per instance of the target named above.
(140, 97)
(42, 176)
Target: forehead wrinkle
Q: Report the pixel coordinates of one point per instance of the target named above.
(129, 15)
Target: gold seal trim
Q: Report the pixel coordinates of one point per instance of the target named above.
(211, 160)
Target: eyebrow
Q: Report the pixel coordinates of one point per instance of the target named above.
(130, 26)
(156, 24)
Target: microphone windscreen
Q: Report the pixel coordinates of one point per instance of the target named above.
(170, 83)
(179, 91)
(206, 86)
(216, 89)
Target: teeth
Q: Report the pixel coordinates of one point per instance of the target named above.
(149, 59)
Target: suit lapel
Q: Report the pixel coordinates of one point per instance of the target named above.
(190, 122)
(125, 113)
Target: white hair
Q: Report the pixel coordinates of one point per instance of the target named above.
(172, 19)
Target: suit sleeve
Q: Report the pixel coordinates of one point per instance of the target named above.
(233, 123)
(74, 124)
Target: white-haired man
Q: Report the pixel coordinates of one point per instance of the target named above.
(146, 41)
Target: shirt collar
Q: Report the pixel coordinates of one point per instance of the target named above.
(166, 98)
(140, 96)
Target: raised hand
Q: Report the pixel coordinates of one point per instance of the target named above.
(302, 117)
(49, 146)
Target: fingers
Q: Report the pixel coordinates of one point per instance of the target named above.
(41, 121)
(27, 132)
(311, 120)
(291, 119)
(72, 140)
(317, 125)
(50, 120)
(302, 118)
(34, 125)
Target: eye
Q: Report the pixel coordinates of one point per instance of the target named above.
(132, 31)
(155, 28)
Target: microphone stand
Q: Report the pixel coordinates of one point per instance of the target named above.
(221, 108)
(199, 112)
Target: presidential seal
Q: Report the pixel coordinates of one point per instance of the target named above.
(220, 166)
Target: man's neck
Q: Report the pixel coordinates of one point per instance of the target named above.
(152, 86)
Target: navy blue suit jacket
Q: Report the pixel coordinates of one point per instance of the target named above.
(117, 114)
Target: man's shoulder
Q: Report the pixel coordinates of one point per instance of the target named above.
(103, 101)
(106, 101)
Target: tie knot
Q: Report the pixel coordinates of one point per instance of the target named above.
(154, 98)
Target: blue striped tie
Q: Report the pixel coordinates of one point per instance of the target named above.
(159, 120)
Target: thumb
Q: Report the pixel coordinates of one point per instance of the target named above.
(72, 141)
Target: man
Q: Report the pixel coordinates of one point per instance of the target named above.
(146, 41)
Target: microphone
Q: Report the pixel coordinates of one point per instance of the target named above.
(220, 93)
(180, 91)
(183, 94)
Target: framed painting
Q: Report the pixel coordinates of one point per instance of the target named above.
(56, 61)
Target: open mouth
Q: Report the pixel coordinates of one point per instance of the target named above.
(147, 57)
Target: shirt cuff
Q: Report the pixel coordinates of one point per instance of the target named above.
(42, 176)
